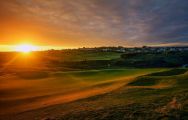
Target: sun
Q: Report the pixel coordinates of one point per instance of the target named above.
(25, 48)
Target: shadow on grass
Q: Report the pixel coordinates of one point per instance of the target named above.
(169, 72)
(30, 75)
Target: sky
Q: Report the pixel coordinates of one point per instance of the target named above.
(92, 23)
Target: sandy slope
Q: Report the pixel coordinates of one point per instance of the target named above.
(28, 101)
(20, 95)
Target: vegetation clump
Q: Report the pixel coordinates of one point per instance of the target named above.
(170, 72)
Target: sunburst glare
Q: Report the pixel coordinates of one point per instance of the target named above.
(26, 48)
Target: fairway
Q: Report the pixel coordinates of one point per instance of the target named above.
(34, 90)
(94, 60)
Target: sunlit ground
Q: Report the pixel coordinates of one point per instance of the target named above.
(49, 88)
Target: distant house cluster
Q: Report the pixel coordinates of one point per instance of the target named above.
(143, 49)
(120, 49)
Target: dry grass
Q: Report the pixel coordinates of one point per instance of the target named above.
(23, 92)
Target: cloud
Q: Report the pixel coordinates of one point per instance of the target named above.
(103, 22)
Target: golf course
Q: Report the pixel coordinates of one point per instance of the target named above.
(93, 60)
(45, 87)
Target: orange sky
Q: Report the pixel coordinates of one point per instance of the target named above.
(91, 23)
(22, 22)
(15, 31)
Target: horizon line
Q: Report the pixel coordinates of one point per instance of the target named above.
(76, 48)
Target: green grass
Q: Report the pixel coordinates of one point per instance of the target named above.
(136, 99)
(138, 103)
(170, 72)
(84, 56)
(170, 59)
(105, 74)
(144, 81)
(164, 77)
(140, 95)
(28, 90)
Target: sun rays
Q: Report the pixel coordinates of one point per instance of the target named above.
(26, 48)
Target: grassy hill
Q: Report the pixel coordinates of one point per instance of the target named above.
(155, 97)
(91, 85)
(76, 60)
(112, 94)
(35, 89)
(163, 59)
(119, 60)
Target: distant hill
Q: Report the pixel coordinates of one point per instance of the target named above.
(168, 59)
(72, 60)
